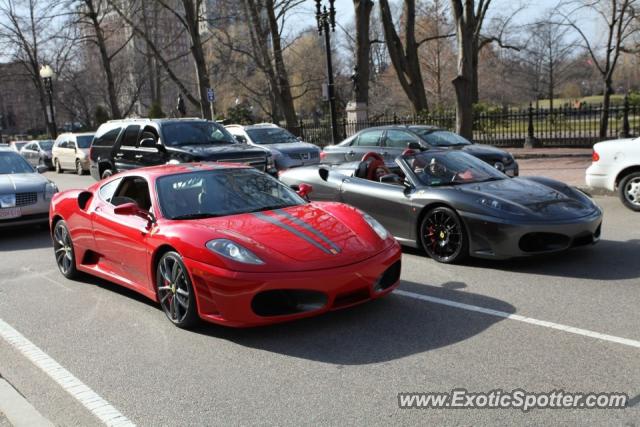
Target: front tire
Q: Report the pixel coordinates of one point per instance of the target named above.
(175, 291)
(629, 191)
(443, 236)
(79, 169)
(63, 250)
(106, 174)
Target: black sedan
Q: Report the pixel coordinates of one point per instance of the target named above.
(391, 141)
(452, 205)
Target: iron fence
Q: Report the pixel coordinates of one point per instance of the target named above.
(560, 127)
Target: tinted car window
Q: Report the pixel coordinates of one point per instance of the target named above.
(13, 163)
(271, 136)
(369, 139)
(441, 138)
(221, 192)
(46, 145)
(108, 138)
(62, 144)
(398, 139)
(189, 133)
(84, 141)
(107, 190)
(130, 137)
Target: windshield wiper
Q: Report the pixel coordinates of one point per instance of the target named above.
(196, 215)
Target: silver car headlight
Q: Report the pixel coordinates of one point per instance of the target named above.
(234, 251)
(499, 205)
(49, 190)
(376, 226)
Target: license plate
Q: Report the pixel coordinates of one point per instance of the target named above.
(10, 213)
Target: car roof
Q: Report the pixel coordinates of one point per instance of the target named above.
(256, 126)
(402, 127)
(159, 121)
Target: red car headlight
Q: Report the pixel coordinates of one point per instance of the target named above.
(233, 251)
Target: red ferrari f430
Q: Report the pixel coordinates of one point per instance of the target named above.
(223, 243)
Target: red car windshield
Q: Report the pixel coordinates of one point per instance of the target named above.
(211, 193)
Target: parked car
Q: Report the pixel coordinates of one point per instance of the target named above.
(288, 151)
(38, 153)
(71, 152)
(25, 195)
(616, 167)
(223, 243)
(453, 205)
(391, 141)
(17, 145)
(127, 144)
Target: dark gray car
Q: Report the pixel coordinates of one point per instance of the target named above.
(391, 141)
(25, 195)
(452, 204)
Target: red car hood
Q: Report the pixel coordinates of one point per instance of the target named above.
(305, 237)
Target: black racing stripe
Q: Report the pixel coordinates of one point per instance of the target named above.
(292, 230)
(308, 227)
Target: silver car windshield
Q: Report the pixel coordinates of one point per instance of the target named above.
(439, 167)
(271, 136)
(13, 163)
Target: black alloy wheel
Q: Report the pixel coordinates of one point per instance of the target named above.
(63, 249)
(443, 236)
(175, 291)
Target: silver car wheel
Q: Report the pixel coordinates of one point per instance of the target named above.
(632, 191)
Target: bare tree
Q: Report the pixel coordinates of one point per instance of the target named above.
(363, 48)
(404, 57)
(619, 17)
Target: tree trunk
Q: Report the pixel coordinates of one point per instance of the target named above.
(363, 18)
(475, 91)
(105, 59)
(405, 59)
(197, 52)
(606, 101)
(288, 108)
(464, 81)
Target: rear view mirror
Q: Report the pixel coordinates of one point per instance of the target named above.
(41, 168)
(241, 139)
(414, 146)
(127, 209)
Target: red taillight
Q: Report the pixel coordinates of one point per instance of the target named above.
(322, 155)
(595, 156)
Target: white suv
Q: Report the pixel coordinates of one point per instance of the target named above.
(616, 166)
(287, 150)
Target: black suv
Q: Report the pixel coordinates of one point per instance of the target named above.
(132, 143)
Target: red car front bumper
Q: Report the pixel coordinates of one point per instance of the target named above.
(250, 299)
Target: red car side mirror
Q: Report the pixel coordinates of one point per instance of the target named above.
(304, 190)
(127, 209)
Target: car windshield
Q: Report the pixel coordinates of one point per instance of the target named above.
(84, 141)
(46, 145)
(271, 136)
(440, 138)
(437, 168)
(190, 133)
(19, 145)
(212, 193)
(13, 163)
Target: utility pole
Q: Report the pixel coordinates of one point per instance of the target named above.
(326, 24)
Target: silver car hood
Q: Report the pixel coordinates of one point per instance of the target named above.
(22, 183)
(292, 147)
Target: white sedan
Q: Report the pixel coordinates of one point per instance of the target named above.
(616, 167)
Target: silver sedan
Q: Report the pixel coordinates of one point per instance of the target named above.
(25, 195)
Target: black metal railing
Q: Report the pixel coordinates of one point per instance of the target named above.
(560, 127)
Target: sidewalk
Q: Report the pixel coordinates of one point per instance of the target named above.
(549, 153)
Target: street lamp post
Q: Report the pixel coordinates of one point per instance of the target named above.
(46, 73)
(326, 22)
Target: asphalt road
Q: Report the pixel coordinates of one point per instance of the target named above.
(342, 368)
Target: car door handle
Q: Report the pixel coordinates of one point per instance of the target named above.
(119, 155)
(138, 156)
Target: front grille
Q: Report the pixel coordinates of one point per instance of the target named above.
(26, 199)
(258, 163)
(305, 156)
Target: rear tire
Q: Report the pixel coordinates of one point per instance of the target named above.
(106, 174)
(443, 236)
(629, 191)
(63, 250)
(175, 292)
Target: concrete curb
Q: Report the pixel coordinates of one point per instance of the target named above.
(597, 191)
(18, 410)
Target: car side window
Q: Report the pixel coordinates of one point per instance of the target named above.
(62, 144)
(108, 138)
(369, 139)
(30, 147)
(133, 189)
(398, 139)
(130, 138)
(107, 190)
(71, 145)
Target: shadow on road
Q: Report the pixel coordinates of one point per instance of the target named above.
(379, 331)
(607, 260)
(25, 238)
